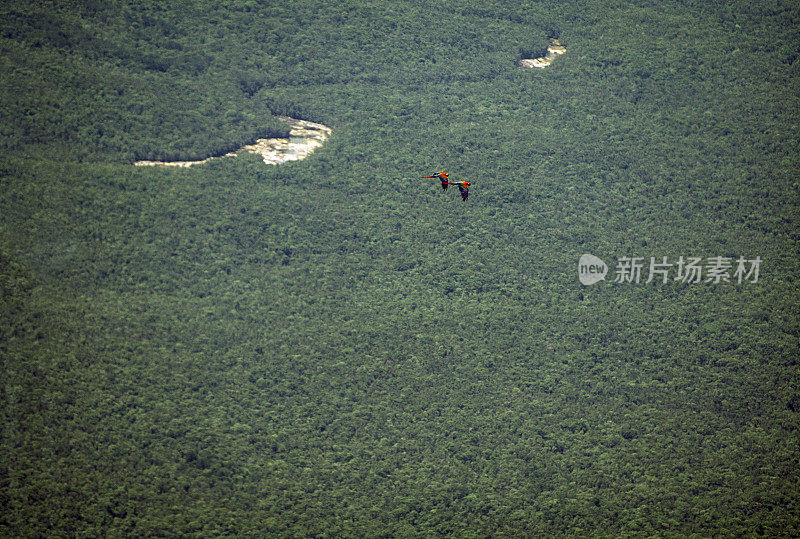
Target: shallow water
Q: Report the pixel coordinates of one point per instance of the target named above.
(554, 50)
(304, 138)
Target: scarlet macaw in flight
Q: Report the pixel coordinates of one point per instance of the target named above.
(442, 176)
(463, 187)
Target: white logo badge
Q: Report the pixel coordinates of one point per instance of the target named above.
(591, 269)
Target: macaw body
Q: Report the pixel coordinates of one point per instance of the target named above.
(464, 188)
(443, 176)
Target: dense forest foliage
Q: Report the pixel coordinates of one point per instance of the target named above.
(336, 346)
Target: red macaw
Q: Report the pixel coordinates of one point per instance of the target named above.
(463, 187)
(442, 176)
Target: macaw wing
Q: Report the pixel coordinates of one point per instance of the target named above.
(464, 192)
